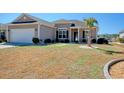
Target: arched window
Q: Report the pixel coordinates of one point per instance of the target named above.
(72, 25)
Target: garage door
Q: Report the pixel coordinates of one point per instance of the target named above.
(21, 35)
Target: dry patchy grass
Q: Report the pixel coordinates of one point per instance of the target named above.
(55, 61)
(117, 70)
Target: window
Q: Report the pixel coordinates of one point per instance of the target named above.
(72, 25)
(62, 33)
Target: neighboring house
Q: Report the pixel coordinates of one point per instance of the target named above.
(25, 27)
(2, 30)
(121, 34)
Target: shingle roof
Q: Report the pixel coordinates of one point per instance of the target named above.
(61, 21)
(80, 23)
(41, 20)
(77, 22)
(44, 22)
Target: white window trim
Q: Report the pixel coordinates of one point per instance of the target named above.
(63, 30)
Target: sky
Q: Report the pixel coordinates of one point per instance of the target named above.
(109, 23)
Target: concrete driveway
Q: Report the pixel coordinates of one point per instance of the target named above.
(10, 45)
(6, 46)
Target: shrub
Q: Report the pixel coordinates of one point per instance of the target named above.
(53, 41)
(4, 40)
(3, 37)
(84, 40)
(102, 41)
(93, 40)
(47, 40)
(57, 40)
(1, 40)
(62, 41)
(66, 41)
(40, 40)
(76, 41)
(106, 41)
(121, 40)
(35, 40)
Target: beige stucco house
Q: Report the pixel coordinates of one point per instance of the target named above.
(121, 34)
(25, 27)
(2, 30)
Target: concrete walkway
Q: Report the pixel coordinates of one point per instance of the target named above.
(86, 47)
(10, 45)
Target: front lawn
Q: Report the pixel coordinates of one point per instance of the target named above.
(57, 61)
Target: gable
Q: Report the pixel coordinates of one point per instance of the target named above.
(23, 19)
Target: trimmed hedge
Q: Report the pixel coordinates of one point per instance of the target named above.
(102, 41)
(84, 40)
(66, 41)
(93, 40)
(35, 40)
(47, 40)
(1, 40)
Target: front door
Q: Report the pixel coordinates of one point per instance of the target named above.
(75, 36)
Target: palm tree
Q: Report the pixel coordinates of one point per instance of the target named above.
(91, 25)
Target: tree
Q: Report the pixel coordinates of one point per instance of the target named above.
(91, 24)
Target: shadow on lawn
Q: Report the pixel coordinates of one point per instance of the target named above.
(110, 51)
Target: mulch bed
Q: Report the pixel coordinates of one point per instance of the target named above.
(117, 70)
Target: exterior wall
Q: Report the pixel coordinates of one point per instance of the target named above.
(121, 35)
(62, 25)
(47, 33)
(35, 26)
(81, 35)
(93, 33)
(22, 26)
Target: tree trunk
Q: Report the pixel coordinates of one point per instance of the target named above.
(89, 38)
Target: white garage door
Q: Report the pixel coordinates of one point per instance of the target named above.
(21, 35)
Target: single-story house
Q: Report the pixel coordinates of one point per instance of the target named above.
(2, 30)
(121, 34)
(25, 27)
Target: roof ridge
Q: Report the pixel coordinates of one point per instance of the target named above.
(35, 18)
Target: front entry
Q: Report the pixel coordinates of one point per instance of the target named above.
(75, 36)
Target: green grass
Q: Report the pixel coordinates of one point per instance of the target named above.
(82, 60)
(94, 71)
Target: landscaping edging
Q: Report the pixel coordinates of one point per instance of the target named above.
(107, 67)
